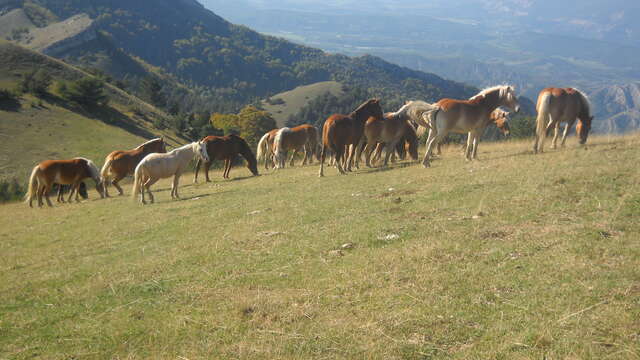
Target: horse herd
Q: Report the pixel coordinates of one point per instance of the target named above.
(344, 137)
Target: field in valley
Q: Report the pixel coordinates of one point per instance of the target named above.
(514, 256)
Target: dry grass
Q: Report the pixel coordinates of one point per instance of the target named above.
(515, 256)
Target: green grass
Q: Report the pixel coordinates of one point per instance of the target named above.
(297, 98)
(514, 256)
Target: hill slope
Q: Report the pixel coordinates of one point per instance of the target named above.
(38, 129)
(514, 256)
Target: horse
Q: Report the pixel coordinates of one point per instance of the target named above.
(340, 130)
(156, 166)
(466, 116)
(121, 163)
(303, 137)
(63, 172)
(388, 131)
(226, 148)
(499, 118)
(82, 190)
(408, 144)
(555, 106)
(265, 148)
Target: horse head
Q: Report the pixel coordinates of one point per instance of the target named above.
(501, 119)
(510, 99)
(582, 129)
(201, 150)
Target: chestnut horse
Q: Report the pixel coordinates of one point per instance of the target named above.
(121, 163)
(302, 137)
(63, 172)
(408, 143)
(265, 148)
(388, 131)
(555, 106)
(466, 116)
(341, 131)
(226, 148)
(157, 166)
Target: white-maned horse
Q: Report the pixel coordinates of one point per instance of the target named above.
(159, 166)
(466, 116)
(555, 106)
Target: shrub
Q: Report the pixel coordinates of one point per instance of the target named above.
(8, 95)
(87, 91)
(11, 190)
(36, 82)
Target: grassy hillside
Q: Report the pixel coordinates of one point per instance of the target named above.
(35, 129)
(514, 256)
(296, 99)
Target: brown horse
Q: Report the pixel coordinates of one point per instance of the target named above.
(388, 131)
(408, 144)
(226, 148)
(302, 137)
(466, 116)
(340, 131)
(265, 148)
(63, 172)
(555, 106)
(121, 163)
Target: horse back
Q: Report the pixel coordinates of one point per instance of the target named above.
(65, 172)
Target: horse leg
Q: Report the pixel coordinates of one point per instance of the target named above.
(195, 175)
(433, 139)
(556, 129)
(469, 148)
(293, 156)
(40, 193)
(207, 165)
(227, 168)
(368, 150)
(476, 141)
(60, 198)
(147, 186)
(389, 148)
(47, 190)
(566, 132)
(116, 185)
(339, 153)
(176, 181)
(323, 153)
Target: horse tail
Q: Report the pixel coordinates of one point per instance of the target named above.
(263, 145)
(137, 181)
(278, 144)
(541, 121)
(106, 168)
(32, 188)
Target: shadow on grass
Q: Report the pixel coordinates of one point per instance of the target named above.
(12, 105)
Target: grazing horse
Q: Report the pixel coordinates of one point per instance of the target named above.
(555, 106)
(340, 131)
(388, 131)
(157, 166)
(303, 137)
(121, 163)
(498, 117)
(226, 148)
(466, 116)
(265, 148)
(63, 172)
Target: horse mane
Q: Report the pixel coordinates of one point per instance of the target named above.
(586, 102)
(414, 109)
(147, 143)
(361, 107)
(486, 91)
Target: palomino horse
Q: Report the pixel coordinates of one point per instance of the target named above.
(121, 163)
(303, 137)
(265, 148)
(226, 148)
(340, 131)
(466, 116)
(63, 172)
(157, 166)
(388, 131)
(556, 106)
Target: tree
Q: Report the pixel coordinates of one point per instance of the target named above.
(254, 123)
(152, 91)
(36, 82)
(87, 91)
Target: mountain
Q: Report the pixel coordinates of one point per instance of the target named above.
(228, 64)
(532, 44)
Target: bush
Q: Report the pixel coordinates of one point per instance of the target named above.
(36, 82)
(8, 95)
(87, 92)
(11, 190)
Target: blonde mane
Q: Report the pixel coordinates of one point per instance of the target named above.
(147, 143)
(484, 92)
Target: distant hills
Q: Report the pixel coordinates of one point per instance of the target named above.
(224, 65)
(592, 45)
